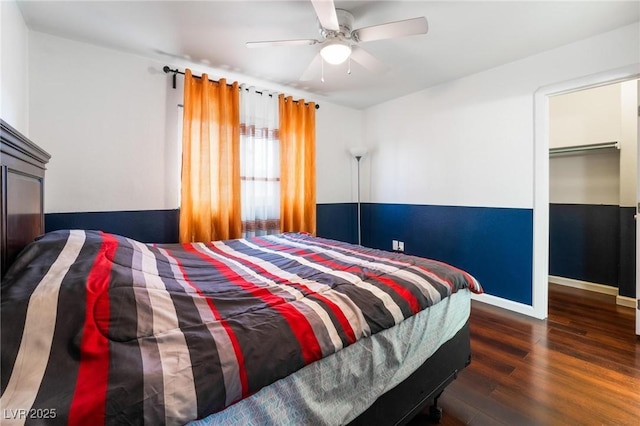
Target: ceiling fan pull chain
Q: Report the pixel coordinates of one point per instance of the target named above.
(322, 70)
(349, 66)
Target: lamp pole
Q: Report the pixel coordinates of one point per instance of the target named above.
(358, 152)
(358, 157)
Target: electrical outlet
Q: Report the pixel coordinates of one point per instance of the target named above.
(400, 245)
(394, 245)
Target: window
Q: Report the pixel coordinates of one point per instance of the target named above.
(259, 163)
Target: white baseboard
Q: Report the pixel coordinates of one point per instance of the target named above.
(569, 282)
(626, 301)
(598, 288)
(510, 305)
(584, 285)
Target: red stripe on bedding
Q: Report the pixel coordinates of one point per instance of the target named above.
(89, 398)
(244, 382)
(470, 280)
(298, 323)
(407, 265)
(340, 316)
(403, 292)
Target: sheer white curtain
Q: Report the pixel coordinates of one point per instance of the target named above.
(259, 163)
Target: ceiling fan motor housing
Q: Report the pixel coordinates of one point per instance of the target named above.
(345, 23)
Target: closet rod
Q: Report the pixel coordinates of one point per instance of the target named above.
(175, 72)
(581, 148)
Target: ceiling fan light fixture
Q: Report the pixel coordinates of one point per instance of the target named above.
(335, 52)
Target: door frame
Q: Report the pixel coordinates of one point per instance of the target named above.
(637, 301)
(540, 271)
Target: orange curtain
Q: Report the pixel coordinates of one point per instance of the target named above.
(297, 165)
(210, 198)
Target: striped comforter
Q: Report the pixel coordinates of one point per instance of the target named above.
(97, 328)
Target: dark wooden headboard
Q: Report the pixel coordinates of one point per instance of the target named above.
(22, 193)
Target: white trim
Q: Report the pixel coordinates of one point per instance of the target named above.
(626, 301)
(540, 273)
(506, 304)
(597, 288)
(584, 285)
(521, 308)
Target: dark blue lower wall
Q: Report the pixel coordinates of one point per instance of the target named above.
(593, 243)
(493, 244)
(148, 226)
(587, 243)
(338, 221)
(627, 270)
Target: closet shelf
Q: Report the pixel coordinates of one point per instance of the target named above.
(583, 148)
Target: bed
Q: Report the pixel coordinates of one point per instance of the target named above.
(98, 328)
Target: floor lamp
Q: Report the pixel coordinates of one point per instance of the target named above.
(358, 152)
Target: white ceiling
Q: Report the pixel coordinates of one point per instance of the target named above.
(463, 38)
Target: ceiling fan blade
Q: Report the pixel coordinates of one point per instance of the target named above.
(404, 28)
(301, 42)
(367, 60)
(313, 68)
(326, 11)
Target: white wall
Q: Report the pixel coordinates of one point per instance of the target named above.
(469, 142)
(586, 178)
(14, 105)
(582, 118)
(601, 114)
(101, 116)
(109, 121)
(585, 117)
(466, 142)
(338, 128)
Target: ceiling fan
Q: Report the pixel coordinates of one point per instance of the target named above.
(341, 42)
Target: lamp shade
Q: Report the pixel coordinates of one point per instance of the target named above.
(335, 52)
(358, 151)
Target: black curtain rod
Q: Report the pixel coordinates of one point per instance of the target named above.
(175, 72)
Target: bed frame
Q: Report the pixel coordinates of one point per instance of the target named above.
(423, 387)
(22, 220)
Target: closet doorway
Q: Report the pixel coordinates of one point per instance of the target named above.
(593, 189)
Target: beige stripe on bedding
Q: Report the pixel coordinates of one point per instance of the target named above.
(39, 327)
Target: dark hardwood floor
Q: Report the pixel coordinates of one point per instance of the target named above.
(581, 366)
